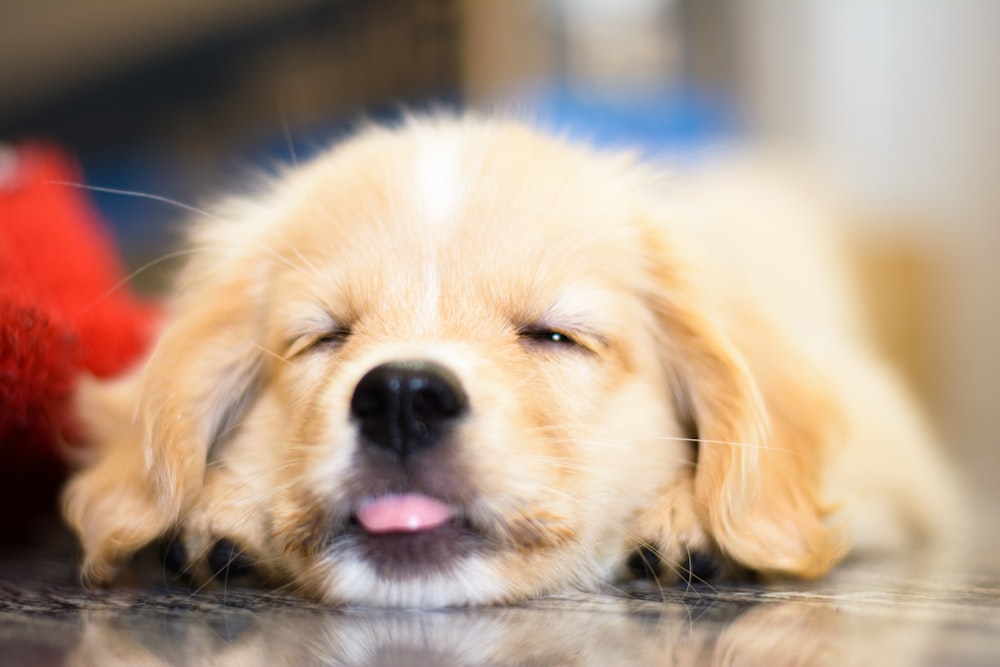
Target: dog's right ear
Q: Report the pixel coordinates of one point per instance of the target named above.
(762, 425)
(203, 374)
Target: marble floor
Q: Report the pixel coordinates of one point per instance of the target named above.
(918, 610)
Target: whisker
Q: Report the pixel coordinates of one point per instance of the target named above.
(271, 353)
(137, 194)
(181, 205)
(305, 262)
(137, 272)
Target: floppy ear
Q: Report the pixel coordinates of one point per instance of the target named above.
(762, 430)
(154, 436)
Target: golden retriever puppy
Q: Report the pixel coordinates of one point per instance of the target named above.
(462, 362)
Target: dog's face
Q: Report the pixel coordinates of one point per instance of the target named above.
(470, 354)
(446, 365)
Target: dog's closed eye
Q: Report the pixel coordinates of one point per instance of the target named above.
(547, 336)
(333, 338)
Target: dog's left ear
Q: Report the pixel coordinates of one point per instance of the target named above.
(761, 426)
(202, 377)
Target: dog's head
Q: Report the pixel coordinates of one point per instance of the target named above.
(459, 362)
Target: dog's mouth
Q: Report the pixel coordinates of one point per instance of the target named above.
(405, 534)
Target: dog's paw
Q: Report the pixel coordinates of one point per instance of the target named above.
(222, 537)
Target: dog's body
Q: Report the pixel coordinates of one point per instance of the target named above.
(460, 362)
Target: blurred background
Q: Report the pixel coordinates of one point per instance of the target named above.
(897, 101)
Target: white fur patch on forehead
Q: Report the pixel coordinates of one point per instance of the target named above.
(436, 177)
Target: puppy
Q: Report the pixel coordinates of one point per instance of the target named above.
(461, 362)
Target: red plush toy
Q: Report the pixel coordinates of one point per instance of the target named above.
(63, 311)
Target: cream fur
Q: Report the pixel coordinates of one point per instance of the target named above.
(713, 299)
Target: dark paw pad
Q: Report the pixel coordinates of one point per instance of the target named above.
(228, 560)
(644, 563)
(173, 555)
(700, 568)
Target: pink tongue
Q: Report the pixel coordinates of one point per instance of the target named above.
(403, 513)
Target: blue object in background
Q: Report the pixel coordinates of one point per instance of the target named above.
(679, 121)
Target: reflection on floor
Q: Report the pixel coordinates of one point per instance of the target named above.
(921, 611)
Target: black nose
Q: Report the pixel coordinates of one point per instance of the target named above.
(403, 406)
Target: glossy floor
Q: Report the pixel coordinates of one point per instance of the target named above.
(918, 611)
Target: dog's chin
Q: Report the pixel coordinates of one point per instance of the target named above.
(466, 582)
(452, 565)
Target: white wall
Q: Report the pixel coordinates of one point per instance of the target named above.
(901, 100)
